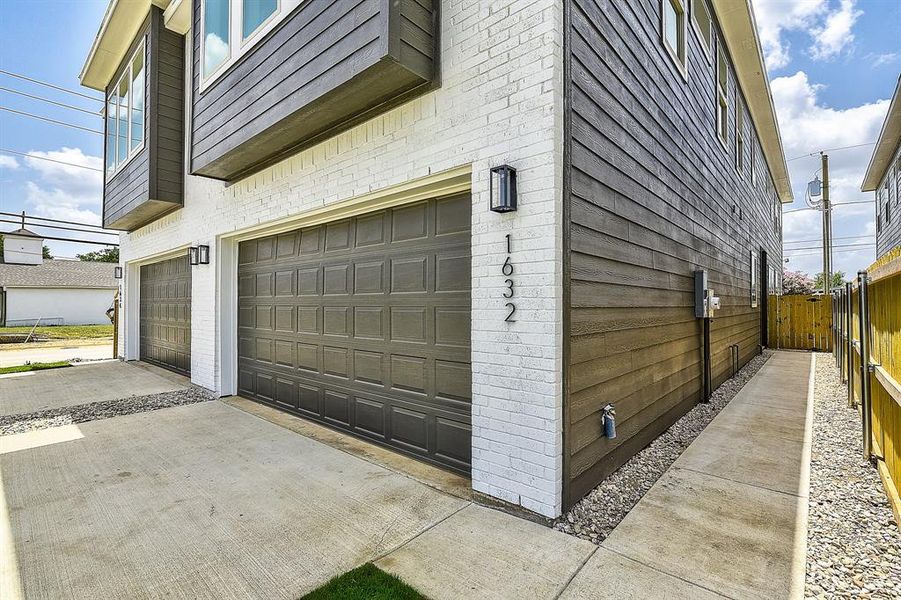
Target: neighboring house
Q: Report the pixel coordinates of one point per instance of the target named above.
(884, 176)
(331, 163)
(51, 292)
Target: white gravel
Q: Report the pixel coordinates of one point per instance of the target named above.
(595, 516)
(853, 543)
(81, 413)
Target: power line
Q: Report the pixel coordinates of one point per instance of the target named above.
(847, 237)
(50, 85)
(62, 162)
(831, 150)
(60, 239)
(818, 253)
(58, 227)
(25, 114)
(47, 100)
(19, 215)
(785, 212)
(839, 246)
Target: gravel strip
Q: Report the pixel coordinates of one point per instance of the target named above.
(595, 516)
(853, 543)
(92, 411)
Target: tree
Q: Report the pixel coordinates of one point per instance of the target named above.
(107, 255)
(46, 251)
(838, 280)
(796, 282)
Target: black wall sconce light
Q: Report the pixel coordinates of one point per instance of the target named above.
(117, 272)
(194, 256)
(503, 189)
(204, 252)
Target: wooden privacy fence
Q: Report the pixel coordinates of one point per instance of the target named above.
(867, 342)
(800, 322)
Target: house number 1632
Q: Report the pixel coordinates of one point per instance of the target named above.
(507, 271)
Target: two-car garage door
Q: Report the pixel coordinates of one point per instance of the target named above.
(364, 324)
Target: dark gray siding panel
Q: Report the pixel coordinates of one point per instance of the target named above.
(651, 196)
(151, 184)
(327, 66)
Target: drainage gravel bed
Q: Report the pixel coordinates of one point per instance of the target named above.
(92, 411)
(595, 516)
(853, 543)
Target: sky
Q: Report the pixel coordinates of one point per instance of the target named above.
(833, 65)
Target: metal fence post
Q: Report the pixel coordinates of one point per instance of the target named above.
(865, 400)
(849, 347)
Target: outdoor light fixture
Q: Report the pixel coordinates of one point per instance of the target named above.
(204, 252)
(193, 256)
(503, 189)
(117, 272)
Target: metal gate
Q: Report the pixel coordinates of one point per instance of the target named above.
(363, 324)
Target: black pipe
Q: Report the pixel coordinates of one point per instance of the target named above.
(707, 369)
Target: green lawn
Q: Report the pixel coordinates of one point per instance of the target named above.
(64, 332)
(34, 367)
(365, 583)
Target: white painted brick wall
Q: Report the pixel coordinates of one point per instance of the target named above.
(500, 101)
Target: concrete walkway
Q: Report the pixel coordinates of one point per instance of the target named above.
(12, 355)
(209, 501)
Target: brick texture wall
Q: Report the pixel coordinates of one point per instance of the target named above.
(500, 101)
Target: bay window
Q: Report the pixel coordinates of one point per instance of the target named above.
(229, 28)
(125, 113)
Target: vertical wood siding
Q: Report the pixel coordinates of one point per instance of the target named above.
(652, 195)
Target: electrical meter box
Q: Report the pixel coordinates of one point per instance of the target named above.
(705, 302)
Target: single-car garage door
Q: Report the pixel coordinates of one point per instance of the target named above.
(363, 324)
(166, 314)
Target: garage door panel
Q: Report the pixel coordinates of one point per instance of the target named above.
(165, 314)
(370, 319)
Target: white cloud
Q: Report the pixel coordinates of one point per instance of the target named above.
(834, 35)
(216, 51)
(73, 180)
(828, 24)
(8, 162)
(879, 60)
(807, 126)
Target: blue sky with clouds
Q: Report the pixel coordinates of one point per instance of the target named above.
(833, 66)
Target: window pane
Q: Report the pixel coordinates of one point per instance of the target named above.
(137, 101)
(111, 133)
(702, 18)
(122, 143)
(254, 13)
(670, 25)
(215, 34)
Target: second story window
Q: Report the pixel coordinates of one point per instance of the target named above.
(739, 137)
(703, 23)
(125, 113)
(673, 24)
(229, 28)
(722, 106)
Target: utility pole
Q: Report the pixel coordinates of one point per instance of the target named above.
(827, 228)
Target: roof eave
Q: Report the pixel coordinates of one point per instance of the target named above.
(886, 144)
(118, 29)
(736, 18)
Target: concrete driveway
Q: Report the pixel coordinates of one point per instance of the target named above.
(209, 501)
(18, 354)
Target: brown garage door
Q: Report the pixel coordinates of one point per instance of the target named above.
(166, 314)
(363, 324)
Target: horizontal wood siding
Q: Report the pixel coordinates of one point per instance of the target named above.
(325, 65)
(652, 195)
(888, 207)
(152, 183)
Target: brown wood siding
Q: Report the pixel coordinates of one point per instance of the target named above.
(152, 183)
(325, 67)
(651, 196)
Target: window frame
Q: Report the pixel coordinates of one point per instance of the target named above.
(755, 280)
(681, 62)
(238, 45)
(127, 74)
(721, 96)
(705, 43)
(740, 138)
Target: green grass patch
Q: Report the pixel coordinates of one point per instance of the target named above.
(64, 332)
(365, 583)
(35, 367)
